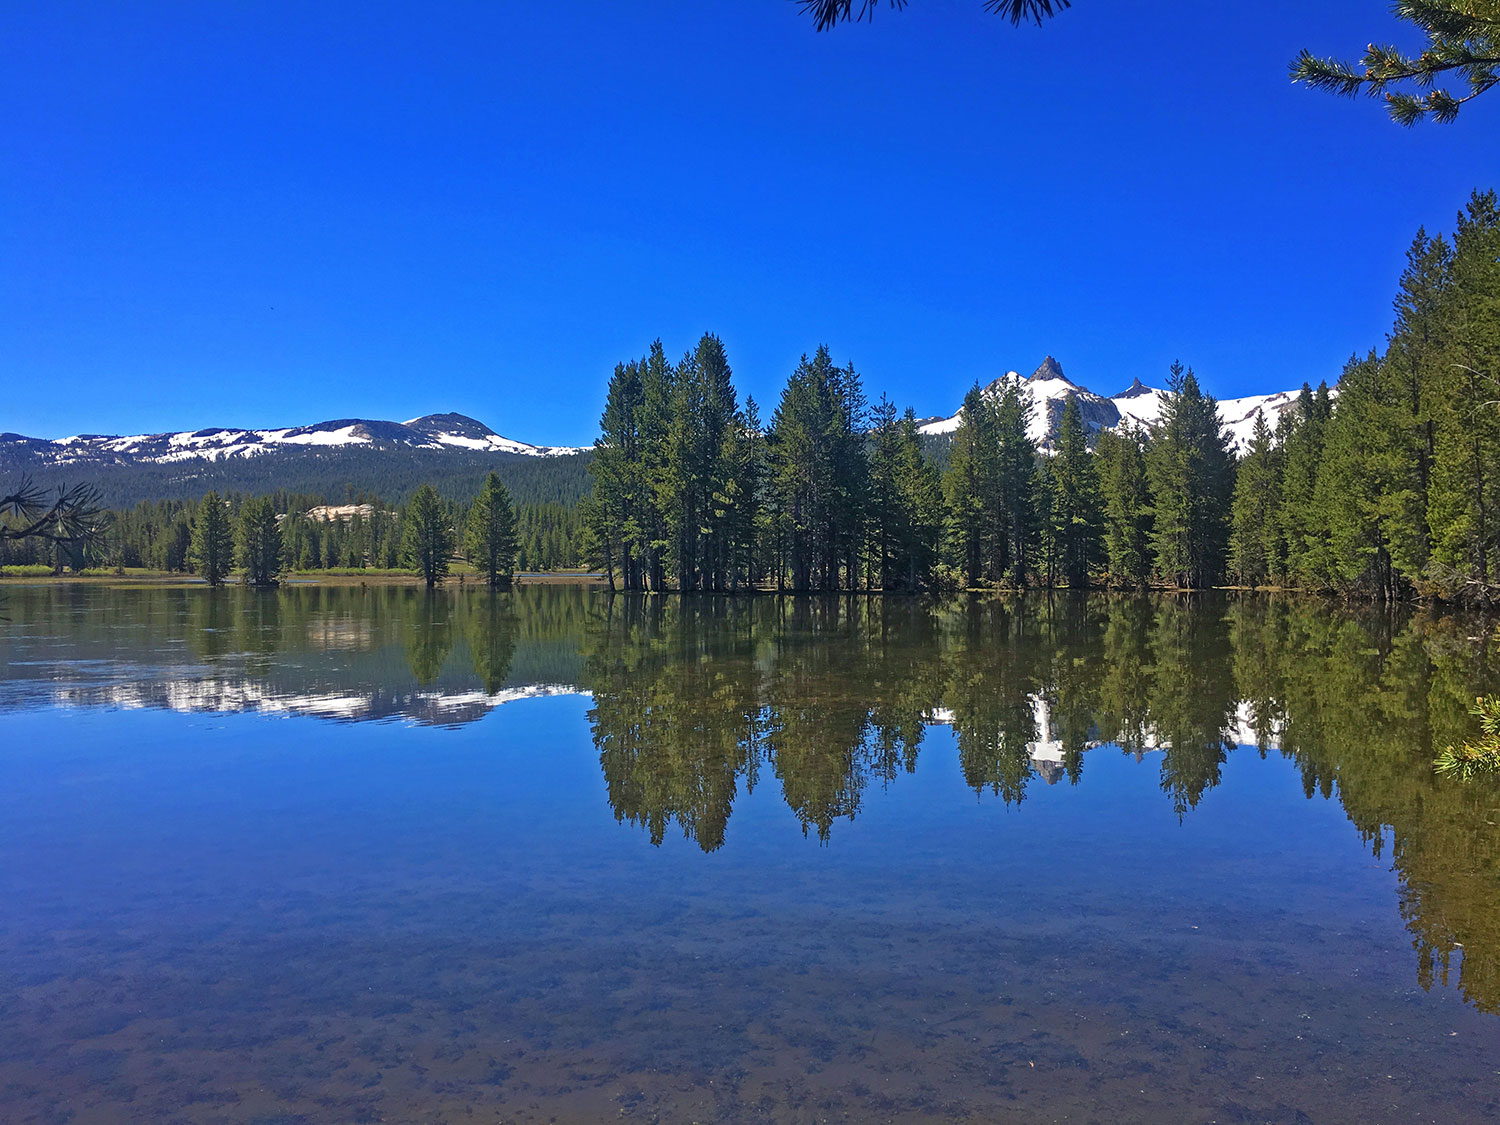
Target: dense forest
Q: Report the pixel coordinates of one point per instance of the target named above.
(1387, 487)
(362, 532)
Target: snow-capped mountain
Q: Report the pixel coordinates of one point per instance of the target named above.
(432, 431)
(1049, 390)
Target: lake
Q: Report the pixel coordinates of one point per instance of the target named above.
(347, 854)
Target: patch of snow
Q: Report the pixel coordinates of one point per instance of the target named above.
(1143, 408)
(945, 426)
(344, 435)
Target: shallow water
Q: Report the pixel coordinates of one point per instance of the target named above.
(360, 855)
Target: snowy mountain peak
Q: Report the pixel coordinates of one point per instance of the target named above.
(1049, 391)
(1050, 369)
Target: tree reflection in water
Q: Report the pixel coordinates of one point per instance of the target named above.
(696, 700)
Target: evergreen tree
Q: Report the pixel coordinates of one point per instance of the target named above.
(971, 488)
(1048, 557)
(1254, 539)
(921, 502)
(816, 479)
(260, 542)
(680, 487)
(658, 391)
(428, 535)
(851, 473)
(1074, 517)
(1127, 506)
(176, 553)
(490, 533)
(1366, 495)
(1464, 504)
(886, 511)
(211, 550)
(1192, 479)
(717, 461)
(903, 505)
(1415, 351)
(738, 498)
(212, 546)
(1302, 526)
(617, 513)
(1016, 486)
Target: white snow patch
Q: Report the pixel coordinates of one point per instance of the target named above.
(344, 435)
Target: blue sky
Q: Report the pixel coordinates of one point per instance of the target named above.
(258, 214)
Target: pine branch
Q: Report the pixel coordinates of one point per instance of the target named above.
(76, 515)
(1461, 42)
(828, 13)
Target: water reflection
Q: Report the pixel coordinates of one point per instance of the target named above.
(697, 702)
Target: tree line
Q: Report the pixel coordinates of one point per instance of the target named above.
(1392, 488)
(1387, 487)
(365, 534)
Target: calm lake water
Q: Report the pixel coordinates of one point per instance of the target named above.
(339, 855)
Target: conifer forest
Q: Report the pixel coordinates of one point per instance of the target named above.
(1384, 485)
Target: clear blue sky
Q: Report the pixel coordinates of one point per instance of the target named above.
(259, 214)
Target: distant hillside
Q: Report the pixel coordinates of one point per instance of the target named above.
(331, 459)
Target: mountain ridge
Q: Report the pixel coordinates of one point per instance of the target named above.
(213, 443)
(330, 458)
(1049, 390)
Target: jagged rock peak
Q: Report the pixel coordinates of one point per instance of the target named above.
(1135, 390)
(1050, 369)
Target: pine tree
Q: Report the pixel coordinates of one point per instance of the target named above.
(1048, 558)
(1073, 503)
(1016, 486)
(1127, 506)
(618, 515)
(717, 462)
(658, 391)
(680, 487)
(490, 533)
(1369, 489)
(1302, 525)
(1254, 533)
(1192, 479)
(260, 545)
(851, 472)
(887, 514)
(1464, 504)
(212, 548)
(428, 535)
(817, 468)
(971, 489)
(739, 496)
(922, 504)
(1415, 351)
